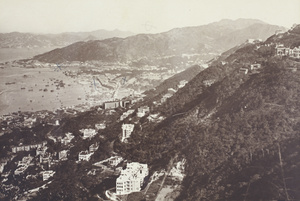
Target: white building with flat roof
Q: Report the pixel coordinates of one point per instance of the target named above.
(142, 111)
(132, 178)
(63, 155)
(100, 126)
(255, 66)
(127, 129)
(84, 156)
(47, 174)
(88, 133)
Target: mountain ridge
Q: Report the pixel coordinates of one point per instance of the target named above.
(33, 40)
(203, 42)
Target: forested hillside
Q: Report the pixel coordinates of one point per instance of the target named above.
(240, 135)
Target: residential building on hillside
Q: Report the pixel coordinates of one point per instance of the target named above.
(165, 97)
(47, 174)
(255, 66)
(208, 83)
(132, 178)
(25, 161)
(23, 164)
(41, 150)
(45, 158)
(116, 104)
(115, 160)
(286, 51)
(127, 129)
(244, 70)
(172, 91)
(282, 51)
(84, 156)
(20, 170)
(295, 52)
(155, 118)
(28, 147)
(182, 83)
(111, 104)
(88, 133)
(63, 155)
(142, 111)
(67, 139)
(100, 126)
(93, 147)
(126, 114)
(252, 41)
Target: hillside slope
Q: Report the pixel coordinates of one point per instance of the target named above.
(240, 135)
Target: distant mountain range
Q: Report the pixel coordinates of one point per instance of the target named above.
(199, 43)
(30, 40)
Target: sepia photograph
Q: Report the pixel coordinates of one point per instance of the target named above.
(150, 100)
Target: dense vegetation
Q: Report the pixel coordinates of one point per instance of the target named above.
(239, 135)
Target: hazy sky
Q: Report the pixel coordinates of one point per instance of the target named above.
(55, 16)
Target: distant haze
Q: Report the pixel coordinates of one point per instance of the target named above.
(138, 16)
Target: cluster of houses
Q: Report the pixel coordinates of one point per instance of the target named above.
(252, 68)
(132, 178)
(28, 147)
(86, 155)
(24, 119)
(287, 51)
(28, 122)
(44, 158)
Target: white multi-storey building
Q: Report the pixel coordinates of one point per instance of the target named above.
(88, 133)
(126, 131)
(47, 174)
(132, 178)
